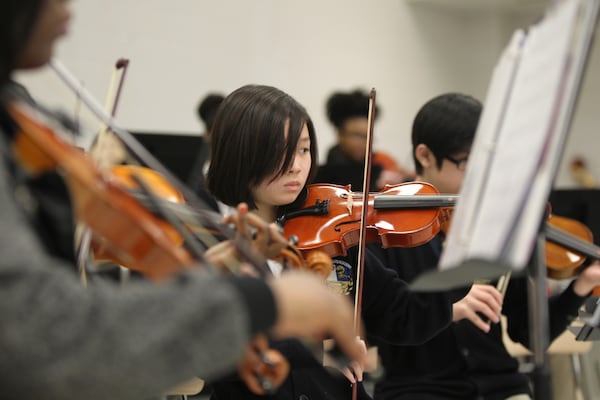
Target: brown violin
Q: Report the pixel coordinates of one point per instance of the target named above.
(568, 245)
(329, 220)
(132, 232)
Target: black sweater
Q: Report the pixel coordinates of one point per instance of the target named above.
(390, 312)
(463, 362)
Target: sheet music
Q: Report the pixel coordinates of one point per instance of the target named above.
(575, 63)
(458, 240)
(516, 141)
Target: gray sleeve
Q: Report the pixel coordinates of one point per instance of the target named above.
(59, 340)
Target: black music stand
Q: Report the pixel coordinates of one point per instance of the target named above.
(590, 331)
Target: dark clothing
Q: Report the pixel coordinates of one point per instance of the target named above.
(341, 170)
(307, 380)
(390, 311)
(196, 180)
(462, 362)
(43, 197)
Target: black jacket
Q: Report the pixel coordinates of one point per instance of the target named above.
(390, 312)
(462, 362)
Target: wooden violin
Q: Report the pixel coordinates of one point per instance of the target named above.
(329, 220)
(133, 233)
(565, 262)
(411, 214)
(569, 243)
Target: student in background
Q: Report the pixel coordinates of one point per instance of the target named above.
(348, 112)
(60, 340)
(206, 111)
(462, 361)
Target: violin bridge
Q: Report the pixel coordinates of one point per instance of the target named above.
(349, 204)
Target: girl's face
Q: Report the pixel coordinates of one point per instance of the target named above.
(52, 23)
(270, 194)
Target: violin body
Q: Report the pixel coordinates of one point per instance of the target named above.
(562, 262)
(126, 227)
(127, 177)
(330, 219)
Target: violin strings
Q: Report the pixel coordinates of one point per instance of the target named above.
(193, 246)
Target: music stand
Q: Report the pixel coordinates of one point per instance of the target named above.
(590, 331)
(497, 223)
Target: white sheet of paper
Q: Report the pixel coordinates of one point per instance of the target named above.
(513, 144)
(459, 237)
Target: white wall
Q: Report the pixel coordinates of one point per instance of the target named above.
(182, 49)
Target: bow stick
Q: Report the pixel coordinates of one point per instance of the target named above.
(363, 226)
(106, 151)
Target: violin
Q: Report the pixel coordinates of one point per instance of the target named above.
(329, 220)
(568, 245)
(411, 214)
(133, 233)
(123, 176)
(563, 262)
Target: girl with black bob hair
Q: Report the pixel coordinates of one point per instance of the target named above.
(245, 151)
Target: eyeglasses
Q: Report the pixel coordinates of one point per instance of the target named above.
(461, 164)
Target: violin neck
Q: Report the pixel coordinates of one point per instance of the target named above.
(390, 201)
(571, 242)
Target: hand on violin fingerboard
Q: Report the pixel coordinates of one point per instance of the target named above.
(264, 237)
(482, 300)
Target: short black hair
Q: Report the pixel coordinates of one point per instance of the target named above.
(17, 18)
(248, 143)
(447, 125)
(207, 108)
(342, 106)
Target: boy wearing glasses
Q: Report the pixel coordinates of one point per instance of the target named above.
(462, 361)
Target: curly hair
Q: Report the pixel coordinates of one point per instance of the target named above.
(341, 106)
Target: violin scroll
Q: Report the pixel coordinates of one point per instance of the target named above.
(263, 369)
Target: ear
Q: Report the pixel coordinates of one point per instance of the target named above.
(424, 155)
